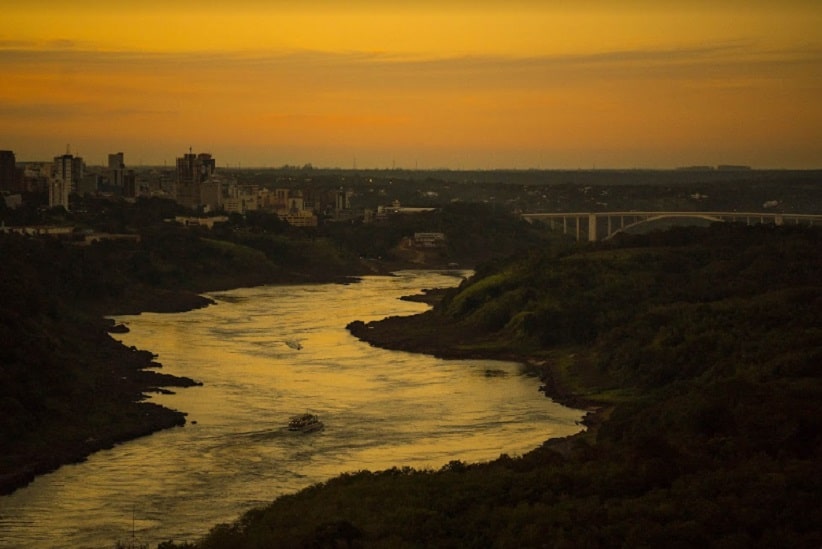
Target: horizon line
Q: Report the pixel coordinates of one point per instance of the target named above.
(311, 167)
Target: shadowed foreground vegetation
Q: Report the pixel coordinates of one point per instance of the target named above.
(698, 353)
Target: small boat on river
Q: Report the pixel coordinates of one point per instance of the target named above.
(305, 423)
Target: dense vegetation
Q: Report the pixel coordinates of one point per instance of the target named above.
(475, 233)
(66, 387)
(698, 352)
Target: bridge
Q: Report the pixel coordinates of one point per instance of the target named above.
(595, 226)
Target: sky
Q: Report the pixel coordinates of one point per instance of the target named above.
(485, 84)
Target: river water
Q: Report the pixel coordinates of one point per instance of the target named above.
(380, 409)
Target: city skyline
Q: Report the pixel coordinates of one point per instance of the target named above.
(481, 85)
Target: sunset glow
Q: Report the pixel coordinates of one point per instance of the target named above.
(430, 84)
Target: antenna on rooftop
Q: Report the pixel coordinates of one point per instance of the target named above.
(68, 148)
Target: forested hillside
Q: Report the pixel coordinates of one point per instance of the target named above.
(698, 352)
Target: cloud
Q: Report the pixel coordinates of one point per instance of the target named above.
(38, 111)
(235, 77)
(45, 111)
(67, 53)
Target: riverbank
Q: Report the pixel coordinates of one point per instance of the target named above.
(105, 405)
(413, 334)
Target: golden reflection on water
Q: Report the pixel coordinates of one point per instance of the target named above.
(380, 409)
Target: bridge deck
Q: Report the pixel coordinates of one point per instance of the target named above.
(587, 224)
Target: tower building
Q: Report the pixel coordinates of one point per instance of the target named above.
(192, 171)
(68, 168)
(116, 168)
(62, 167)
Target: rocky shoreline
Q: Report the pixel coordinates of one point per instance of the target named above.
(121, 378)
(156, 419)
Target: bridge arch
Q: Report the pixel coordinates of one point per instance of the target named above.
(667, 215)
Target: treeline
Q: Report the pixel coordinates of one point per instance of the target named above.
(700, 351)
(475, 233)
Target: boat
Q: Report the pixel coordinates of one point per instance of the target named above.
(305, 423)
(294, 344)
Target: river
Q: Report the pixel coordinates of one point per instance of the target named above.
(263, 355)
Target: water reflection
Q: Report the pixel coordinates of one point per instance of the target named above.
(380, 409)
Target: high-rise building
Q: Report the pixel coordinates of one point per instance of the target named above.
(78, 170)
(89, 184)
(70, 169)
(63, 166)
(8, 171)
(342, 200)
(192, 171)
(116, 168)
(115, 161)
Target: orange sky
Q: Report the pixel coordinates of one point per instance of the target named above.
(482, 84)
